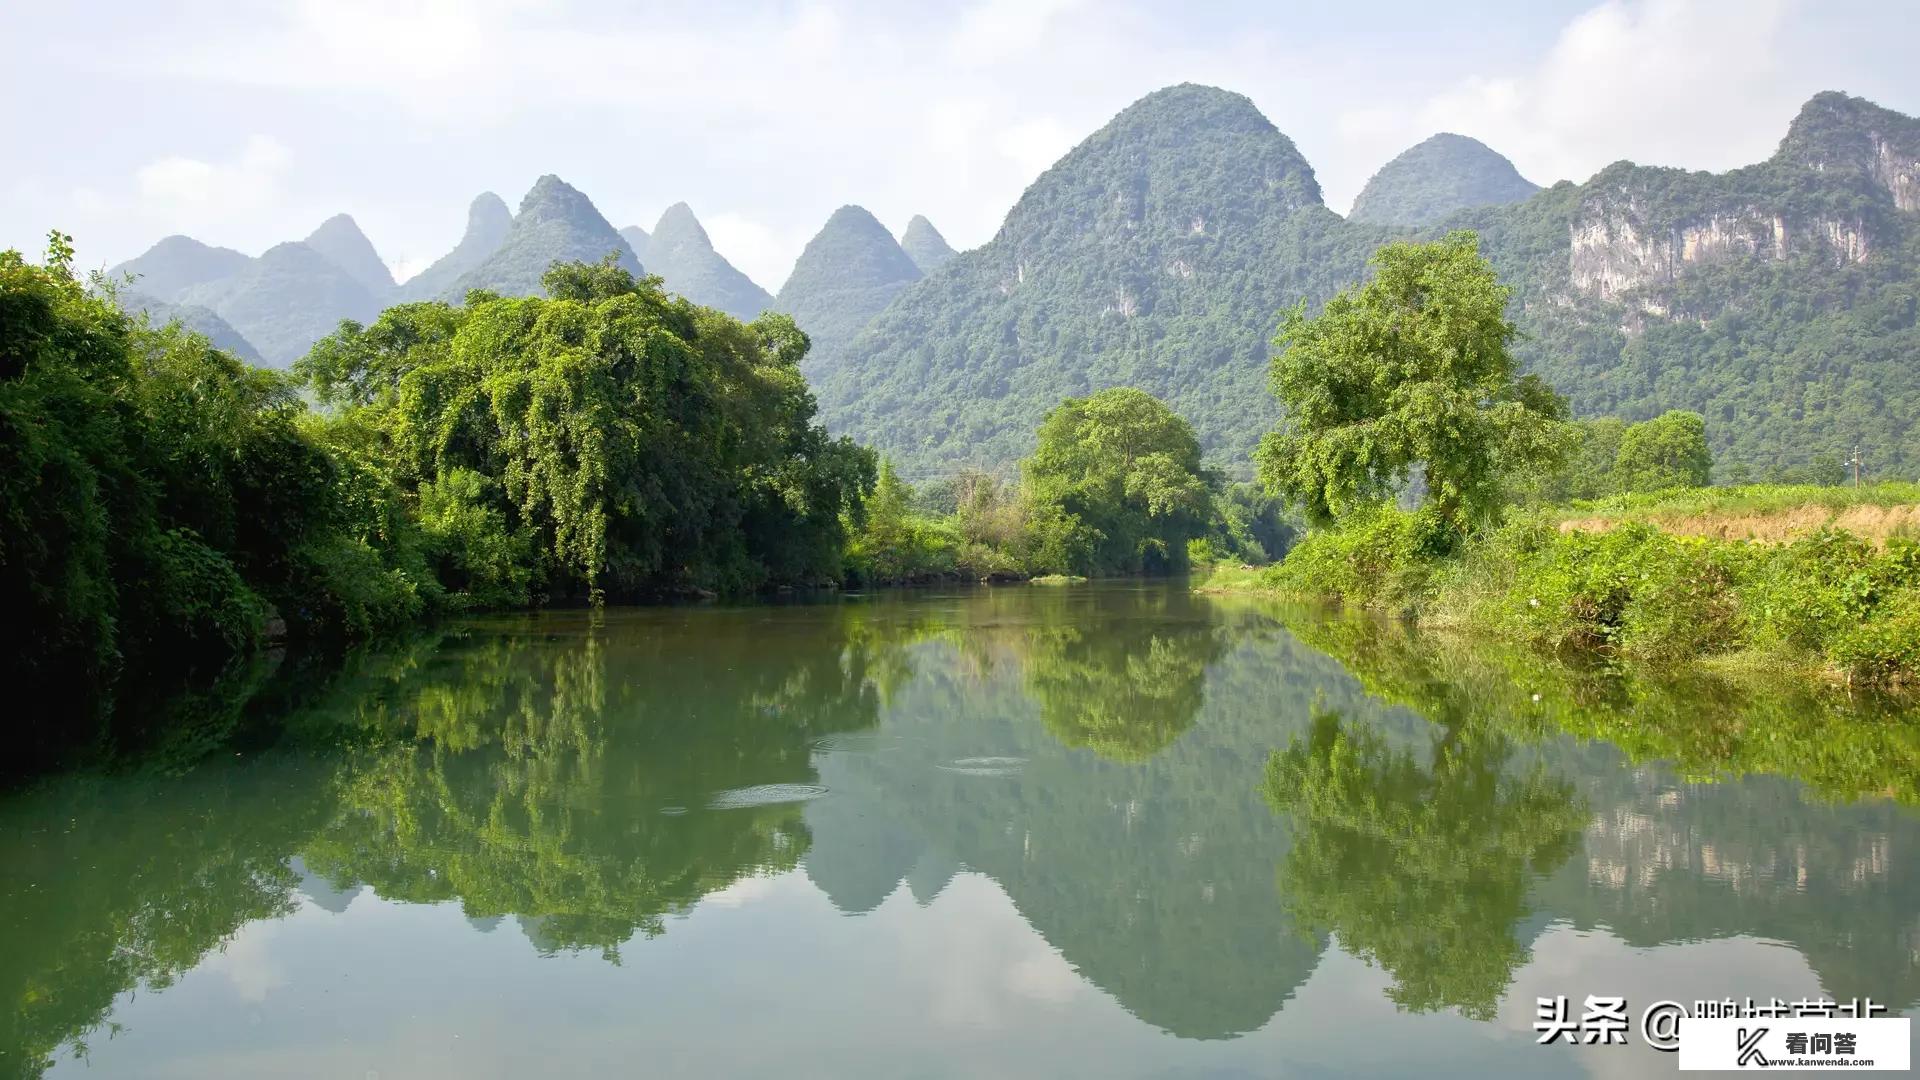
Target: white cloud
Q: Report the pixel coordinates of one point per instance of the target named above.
(192, 190)
(760, 251)
(1700, 83)
(992, 31)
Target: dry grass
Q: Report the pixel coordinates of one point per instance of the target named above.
(1762, 514)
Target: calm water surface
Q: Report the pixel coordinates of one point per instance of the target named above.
(1102, 832)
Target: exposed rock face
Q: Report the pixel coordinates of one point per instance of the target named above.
(1823, 194)
(680, 252)
(556, 223)
(488, 220)
(1439, 177)
(924, 244)
(1840, 134)
(848, 273)
(341, 242)
(178, 263)
(1614, 249)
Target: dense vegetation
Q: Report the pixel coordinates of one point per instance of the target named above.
(1777, 301)
(1790, 330)
(164, 500)
(1412, 371)
(1116, 486)
(159, 498)
(1436, 178)
(1154, 255)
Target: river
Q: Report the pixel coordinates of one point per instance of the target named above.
(1100, 831)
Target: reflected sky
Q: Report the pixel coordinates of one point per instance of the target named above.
(1115, 831)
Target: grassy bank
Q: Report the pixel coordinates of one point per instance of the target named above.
(1764, 512)
(1829, 601)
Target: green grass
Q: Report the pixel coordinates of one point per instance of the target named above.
(1056, 579)
(1747, 499)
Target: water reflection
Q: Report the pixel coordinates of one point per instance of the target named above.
(1189, 802)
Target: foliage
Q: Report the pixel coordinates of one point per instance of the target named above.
(1118, 485)
(1423, 869)
(603, 440)
(1669, 451)
(1379, 557)
(898, 545)
(1409, 371)
(160, 498)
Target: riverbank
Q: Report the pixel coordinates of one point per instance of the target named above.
(1837, 604)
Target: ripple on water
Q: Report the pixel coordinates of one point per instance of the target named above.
(985, 766)
(764, 795)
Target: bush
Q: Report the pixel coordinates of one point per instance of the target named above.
(1885, 647)
(1380, 557)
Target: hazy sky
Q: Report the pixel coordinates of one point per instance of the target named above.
(244, 124)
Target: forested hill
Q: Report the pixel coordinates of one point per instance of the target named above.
(1436, 178)
(680, 252)
(1158, 254)
(1779, 300)
(849, 272)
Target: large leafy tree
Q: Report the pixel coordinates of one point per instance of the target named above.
(1669, 451)
(1408, 373)
(603, 439)
(1117, 485)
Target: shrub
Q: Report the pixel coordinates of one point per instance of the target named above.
(1380, 557)
(1885, 647)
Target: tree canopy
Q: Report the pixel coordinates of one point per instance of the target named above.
(1669, 451)
(1411, 371)
(1118, 484)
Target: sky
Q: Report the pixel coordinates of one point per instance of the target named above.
(246, 124)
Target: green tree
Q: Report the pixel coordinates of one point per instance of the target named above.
(1408, 373)
(1117, 485)
(1669, 451)
(1422, 868)
(604, 439)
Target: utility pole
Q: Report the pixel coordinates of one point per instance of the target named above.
(1856, 465)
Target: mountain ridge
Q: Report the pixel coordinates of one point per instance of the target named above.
(848, 273)
(1438, 176)
(680, 251)
(556, 223)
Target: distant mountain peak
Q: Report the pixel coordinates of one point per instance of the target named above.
(488, 221)
(924, 244)
(340, 240)
(637, 239)
(178, 263)
(488, 213)
(849, 272)
(678, 225)
(1436, 178)
(1834, 131)
(556, 223)
(682, 254)
(1181, 156)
